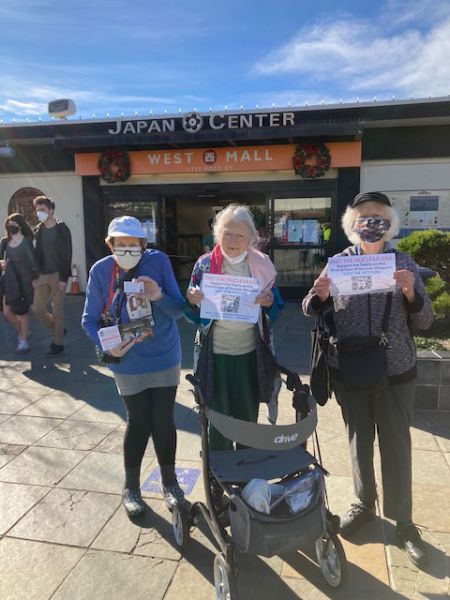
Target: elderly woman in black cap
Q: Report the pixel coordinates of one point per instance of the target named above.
(386, 405)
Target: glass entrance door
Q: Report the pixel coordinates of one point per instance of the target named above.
(147, 211)
(301, 235)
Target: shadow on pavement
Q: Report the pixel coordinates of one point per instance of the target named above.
(436, 423)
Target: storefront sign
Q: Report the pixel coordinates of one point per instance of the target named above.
(210, 160)
(195, 122)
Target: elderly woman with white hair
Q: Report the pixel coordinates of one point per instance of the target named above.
(386, 407)
(234, 359)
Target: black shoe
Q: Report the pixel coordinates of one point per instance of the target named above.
(409, 538)
(132, 502)
(173, 495)
(55, 349)
(355, 518)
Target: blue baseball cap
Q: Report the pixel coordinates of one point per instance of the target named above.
(126, 227)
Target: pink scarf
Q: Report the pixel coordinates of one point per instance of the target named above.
(260, 265)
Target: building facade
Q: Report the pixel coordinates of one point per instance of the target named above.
(297, 169)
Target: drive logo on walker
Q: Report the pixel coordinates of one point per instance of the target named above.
(285, 439)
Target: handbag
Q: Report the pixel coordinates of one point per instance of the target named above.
(320, 383)
(2, 274)
(2, 291)
(20, 305)
(362, 359)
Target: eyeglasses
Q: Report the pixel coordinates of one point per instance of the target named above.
(122, 252)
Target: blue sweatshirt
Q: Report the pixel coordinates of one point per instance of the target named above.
(163, 350)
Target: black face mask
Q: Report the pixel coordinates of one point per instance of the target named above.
(12, 229)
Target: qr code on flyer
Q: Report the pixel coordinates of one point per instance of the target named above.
(229, 304)
(360, 282)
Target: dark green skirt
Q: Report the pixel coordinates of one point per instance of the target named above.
(235, 393)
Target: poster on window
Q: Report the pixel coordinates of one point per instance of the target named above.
(295, 231)
(311, 231)
(150, 230)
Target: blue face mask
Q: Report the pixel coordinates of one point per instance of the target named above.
(371, 229)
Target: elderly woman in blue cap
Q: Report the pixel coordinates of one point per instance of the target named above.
(146, 367)
(385, 407)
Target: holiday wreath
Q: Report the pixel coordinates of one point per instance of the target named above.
(114, 165)
(311, 160)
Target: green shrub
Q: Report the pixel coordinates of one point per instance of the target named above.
(441, 305)
(431, 249)
(435, 286)
(431, 343)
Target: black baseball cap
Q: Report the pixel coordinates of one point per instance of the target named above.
(371, 197)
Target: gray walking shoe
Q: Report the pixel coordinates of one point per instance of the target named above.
(132, 502)
(173, 495)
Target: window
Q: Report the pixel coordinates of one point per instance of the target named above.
(22, 202)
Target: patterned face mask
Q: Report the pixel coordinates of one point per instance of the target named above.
(371, 229)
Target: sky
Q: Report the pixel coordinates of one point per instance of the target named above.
(145, 57)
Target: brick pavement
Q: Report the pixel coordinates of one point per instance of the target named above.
(64, 535)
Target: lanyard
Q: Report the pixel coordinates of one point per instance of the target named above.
(114, 291)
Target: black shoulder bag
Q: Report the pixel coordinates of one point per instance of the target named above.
(20, 305)
(320, 383)
(2, 273)
(362, 359)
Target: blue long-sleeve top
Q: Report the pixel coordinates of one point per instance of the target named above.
(163, 350)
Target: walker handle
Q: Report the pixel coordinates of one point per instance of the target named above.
(195, 382)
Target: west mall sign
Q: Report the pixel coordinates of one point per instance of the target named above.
(195, 122)
(216, 160)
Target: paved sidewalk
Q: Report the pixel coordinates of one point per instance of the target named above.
(65, 536)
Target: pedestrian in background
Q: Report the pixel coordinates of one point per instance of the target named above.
(18, 261)
(54, 259)
(208, 239)
(147, 368)
(386, 407)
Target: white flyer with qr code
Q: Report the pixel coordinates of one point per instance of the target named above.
(362, 274)
(229, 298)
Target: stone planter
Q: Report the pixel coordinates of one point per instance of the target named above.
(433, 382)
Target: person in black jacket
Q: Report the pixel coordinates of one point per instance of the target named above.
(19, 263)
(54, 259)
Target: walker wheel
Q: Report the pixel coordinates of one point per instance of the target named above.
(332, 560)
(180, 526)
(224, 580)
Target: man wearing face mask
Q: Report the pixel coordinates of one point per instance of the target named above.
(54, 258)
(146, 368)
(385, 405)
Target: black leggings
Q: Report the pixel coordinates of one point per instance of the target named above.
(150, 413)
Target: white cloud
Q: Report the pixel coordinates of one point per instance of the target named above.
(362, 55)
(23, 108)
(23, 97)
